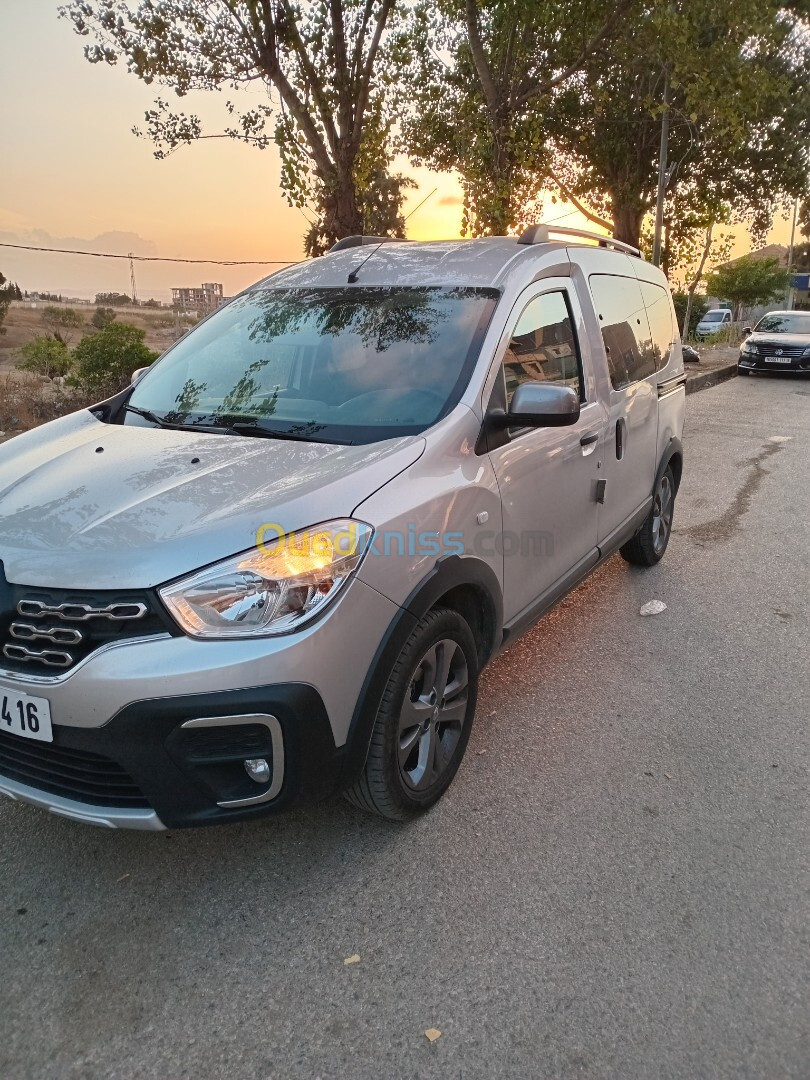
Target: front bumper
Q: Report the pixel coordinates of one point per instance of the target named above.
(168, 723)
(797, 365)
(178, 762)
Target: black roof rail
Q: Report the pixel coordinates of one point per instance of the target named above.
(364, 241)
(542, 234)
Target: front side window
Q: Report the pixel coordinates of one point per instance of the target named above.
(625, 330)
(543, 346)
(326, 364)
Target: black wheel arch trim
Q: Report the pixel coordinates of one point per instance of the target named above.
(453, 572)
(673, 449)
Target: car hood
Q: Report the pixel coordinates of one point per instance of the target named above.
(780, 341)
(90, 505)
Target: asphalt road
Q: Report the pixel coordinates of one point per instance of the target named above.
(616, 886)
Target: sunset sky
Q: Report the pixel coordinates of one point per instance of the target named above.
(73, 175)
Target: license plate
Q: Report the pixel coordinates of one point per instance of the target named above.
(777, 359)
(29, 717)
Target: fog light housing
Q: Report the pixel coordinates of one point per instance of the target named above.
(258, 770)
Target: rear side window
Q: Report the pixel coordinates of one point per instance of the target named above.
(625, 330)
(543, 346)
(662, 324)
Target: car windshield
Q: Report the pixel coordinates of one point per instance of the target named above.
(348, 365)
(713, 316)
(785, 322)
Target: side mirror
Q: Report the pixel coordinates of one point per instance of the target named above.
(137, 374)
(536, 404)
(747, 330)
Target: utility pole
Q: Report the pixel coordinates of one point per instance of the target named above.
(132, 279)
(663, 173)
(789, 297)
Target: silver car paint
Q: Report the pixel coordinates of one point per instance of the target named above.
(91, 505)
(139, 513)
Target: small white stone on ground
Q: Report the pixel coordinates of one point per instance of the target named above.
(653, 607)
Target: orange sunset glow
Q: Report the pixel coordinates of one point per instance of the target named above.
(74, 176)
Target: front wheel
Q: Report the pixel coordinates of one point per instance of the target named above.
(650, 542)
(423, 722)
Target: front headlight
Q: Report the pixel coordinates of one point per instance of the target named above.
(747, 347)
(272, 589)
(806, 351)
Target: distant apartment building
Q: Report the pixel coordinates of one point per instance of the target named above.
(206, 298)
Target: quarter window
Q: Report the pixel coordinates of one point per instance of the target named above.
(543, 346)
(662, 326)
(625, 330)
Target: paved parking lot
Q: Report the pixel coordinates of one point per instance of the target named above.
(616, 886)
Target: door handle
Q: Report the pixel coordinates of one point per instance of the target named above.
(586, 440)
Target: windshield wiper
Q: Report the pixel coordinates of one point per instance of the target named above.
(153, 418)
(241, 427)
(161, 421)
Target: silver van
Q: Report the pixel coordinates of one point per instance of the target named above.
(274, 567)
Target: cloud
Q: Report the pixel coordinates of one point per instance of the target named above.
(450, 200)
(112, 243)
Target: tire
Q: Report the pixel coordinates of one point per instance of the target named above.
(648, 545)
(417, 742)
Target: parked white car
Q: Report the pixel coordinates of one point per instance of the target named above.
(714, 320)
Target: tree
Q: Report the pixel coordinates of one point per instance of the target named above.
(102, 317)
(5, 302)
(748, 282)
(325, 62)
(60, 321)
(737, 74)
(104, 362)
(45, 356)
(152, 303)
(482, 111)
(113, 299)
(689, 310)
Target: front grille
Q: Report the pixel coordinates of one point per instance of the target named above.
(73, 774)
(48, 631)
(774, 349)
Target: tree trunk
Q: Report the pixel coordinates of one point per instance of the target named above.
(696, 281)
(627, 219)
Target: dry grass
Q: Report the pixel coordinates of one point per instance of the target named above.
(24, 323)
(29, 400)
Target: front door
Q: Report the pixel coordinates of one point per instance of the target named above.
(632, 436)
(547, 476)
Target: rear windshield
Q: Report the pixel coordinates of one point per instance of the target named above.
(785, 323)
(333, 364)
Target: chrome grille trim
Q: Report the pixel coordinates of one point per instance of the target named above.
(57, 635)
(81, 612)
(48, 657)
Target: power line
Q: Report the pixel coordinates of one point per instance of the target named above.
(152, 258)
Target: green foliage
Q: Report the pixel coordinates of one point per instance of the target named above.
(748, 282)
(61, 321)
(484, 113)
(113, 299)
(102, 317)
(697, 308)
(45, 356)
(329, 65)
(152, 303)
(739, 74)
(104, 362)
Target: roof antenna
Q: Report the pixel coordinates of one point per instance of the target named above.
(352, 279)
